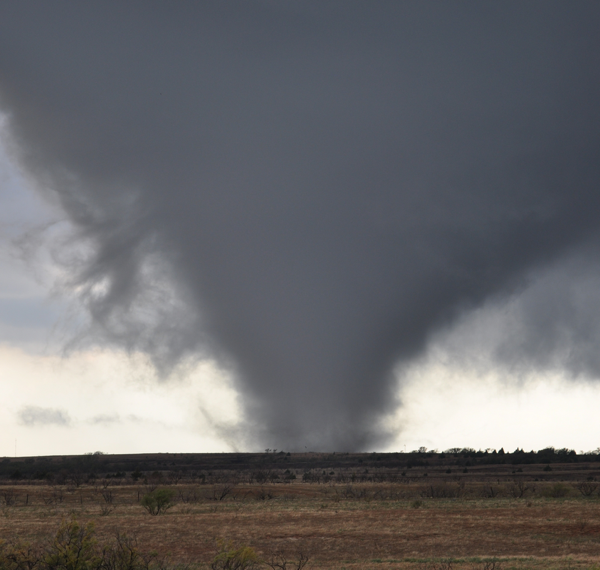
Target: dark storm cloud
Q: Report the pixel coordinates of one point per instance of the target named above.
(324, 185)
(551, 323)
(36, 416)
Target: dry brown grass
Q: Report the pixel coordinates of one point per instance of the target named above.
(369, 526)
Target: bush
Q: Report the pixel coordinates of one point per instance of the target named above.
(280, 561)
(124, 554)
(158, 501)
(586, 488)
(20, 556)
(557, 491)
(231, 558)
(75, 548)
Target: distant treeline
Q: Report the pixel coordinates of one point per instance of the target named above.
(271, 465)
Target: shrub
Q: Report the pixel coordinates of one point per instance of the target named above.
(124, 554)
(231, 558)
(158, 501)
(557, 491)
(442, 491)
(586, 488)
(19, 556)
(518, 489)
(73, 548)
(280, 561)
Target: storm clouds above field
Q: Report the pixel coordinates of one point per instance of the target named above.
(314, 192)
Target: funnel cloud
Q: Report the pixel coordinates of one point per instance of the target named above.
(309, 192)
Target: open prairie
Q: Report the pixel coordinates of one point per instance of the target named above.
(429, 516)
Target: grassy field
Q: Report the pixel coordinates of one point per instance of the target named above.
(420, 523)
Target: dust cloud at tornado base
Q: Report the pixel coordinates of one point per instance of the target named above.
(314, 193)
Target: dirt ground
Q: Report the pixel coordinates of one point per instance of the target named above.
(372, 529)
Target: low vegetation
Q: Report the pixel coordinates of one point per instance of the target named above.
(158, 501)
(75, 547)
(368, 511)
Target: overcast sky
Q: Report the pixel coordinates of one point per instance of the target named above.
(299, 225)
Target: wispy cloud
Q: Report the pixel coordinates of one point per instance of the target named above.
(34, 416)
(105, 419)
(111, 419)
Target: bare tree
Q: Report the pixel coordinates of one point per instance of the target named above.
(278, 560)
